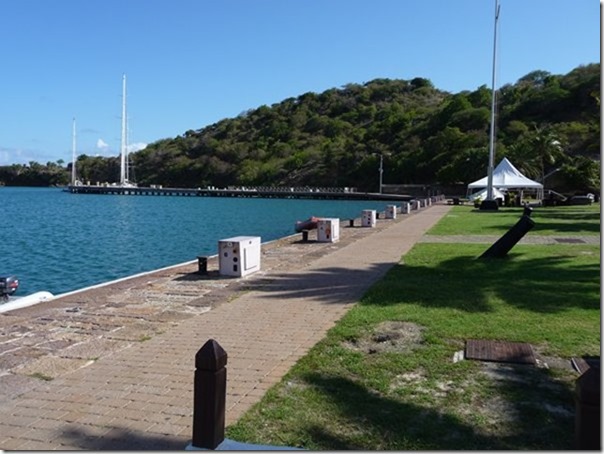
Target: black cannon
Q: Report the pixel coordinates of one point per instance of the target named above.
(503, 245)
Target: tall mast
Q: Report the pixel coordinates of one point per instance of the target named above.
(123, 176)
(73, 152)
(492, 133)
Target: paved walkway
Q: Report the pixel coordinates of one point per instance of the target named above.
(112, 368)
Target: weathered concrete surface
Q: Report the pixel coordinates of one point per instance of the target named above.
(112, 367)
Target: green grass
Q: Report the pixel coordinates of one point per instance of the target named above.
(564, 220)
(364, 388)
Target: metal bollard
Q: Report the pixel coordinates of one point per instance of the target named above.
(209, 396)
(587, 410)
(304, 235)
(202, 263)
(351, 223)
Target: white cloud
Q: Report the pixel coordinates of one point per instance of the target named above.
(136, 147)
(9, 156)
(102, 145)
(105, 149)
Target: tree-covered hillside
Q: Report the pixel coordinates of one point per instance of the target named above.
(425, 135)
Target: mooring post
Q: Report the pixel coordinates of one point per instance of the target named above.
(209, 396)
(587, 410)
(202, 265)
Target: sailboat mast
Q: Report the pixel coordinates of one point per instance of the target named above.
(73, 152)
(123, 177)
(492, 132)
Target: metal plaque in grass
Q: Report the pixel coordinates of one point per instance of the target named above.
(570, 240)
(499, 351)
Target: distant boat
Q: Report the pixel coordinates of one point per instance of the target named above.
(124, 164)
(8, 286)
(74, 180)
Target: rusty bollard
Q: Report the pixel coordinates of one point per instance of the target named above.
(209, 396)
(587, 410)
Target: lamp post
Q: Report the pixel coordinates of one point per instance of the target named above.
(549, 174)
(381, 170)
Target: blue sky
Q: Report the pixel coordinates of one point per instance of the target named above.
(191, 63)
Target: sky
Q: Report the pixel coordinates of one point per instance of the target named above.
(191, 63)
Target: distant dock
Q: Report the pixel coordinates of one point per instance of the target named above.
(248, 192)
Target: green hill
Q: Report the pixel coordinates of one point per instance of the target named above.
(425, 135)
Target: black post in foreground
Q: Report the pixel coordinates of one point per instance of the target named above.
(503, 245)
(587, 410)
(209, 396)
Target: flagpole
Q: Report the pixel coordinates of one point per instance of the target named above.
(489, 198)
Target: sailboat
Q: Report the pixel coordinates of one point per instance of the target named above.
(124, 164)
(490, 203)
(74, 181)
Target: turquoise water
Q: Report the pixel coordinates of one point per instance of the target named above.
(59, 242)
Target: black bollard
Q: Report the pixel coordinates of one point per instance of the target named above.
(202, 264)
(587, 410)
(209, 396)
(503, 245)
(304, 235)
(351, 223)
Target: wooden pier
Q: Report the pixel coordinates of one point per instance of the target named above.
(256, 192)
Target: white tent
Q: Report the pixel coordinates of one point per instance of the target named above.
(506, 176)
(497, 194)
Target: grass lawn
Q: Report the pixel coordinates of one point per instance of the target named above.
(384, 377)
(563, 220)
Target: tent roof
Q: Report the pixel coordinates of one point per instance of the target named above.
(497, 194)
(505, 175)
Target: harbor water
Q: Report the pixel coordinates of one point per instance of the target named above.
(59, 242)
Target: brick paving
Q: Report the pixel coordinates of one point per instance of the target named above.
(112, 367)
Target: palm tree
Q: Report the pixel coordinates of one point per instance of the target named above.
(545, 148)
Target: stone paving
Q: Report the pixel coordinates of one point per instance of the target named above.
(112, 367)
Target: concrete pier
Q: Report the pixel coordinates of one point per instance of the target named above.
(256, 192)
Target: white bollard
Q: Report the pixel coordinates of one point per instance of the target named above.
(368, 218)
(391, 212)
(328, 230)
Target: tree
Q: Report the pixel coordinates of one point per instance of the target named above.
(545, 147)
(583, 174)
